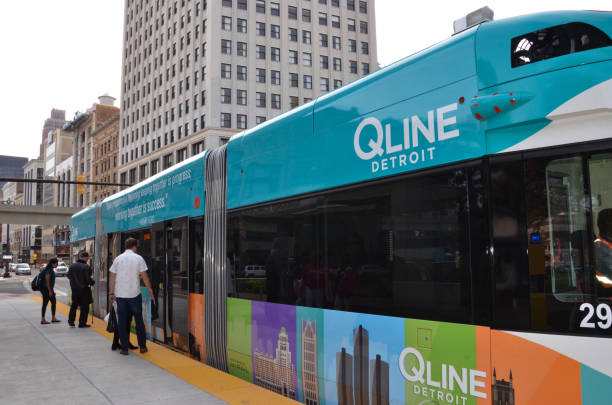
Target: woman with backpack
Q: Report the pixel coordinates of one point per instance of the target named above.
(46, 289)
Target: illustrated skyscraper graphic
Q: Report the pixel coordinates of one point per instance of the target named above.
(310, 375)
(276, 373)
(361, 375)
(361, 381)
(379, 383)
(502, 391)
(344, 377)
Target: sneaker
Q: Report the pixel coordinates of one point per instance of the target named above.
(84, 326)
(71, 324)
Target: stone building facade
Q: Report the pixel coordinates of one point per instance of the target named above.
(105, 153)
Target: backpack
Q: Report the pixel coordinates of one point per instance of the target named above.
(37, 282)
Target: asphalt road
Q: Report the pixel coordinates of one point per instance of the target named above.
(20, 284)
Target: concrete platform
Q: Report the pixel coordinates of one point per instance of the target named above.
(56, 364)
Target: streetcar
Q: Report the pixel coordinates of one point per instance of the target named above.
(437, 232)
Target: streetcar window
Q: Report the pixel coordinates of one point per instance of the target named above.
(398, 248)
(600, 171)
(556, 41)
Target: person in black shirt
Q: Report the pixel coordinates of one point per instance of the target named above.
(80, 276)
(48, 295)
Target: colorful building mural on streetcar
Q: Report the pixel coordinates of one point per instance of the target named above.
(327, 357)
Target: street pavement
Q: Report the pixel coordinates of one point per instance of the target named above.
(56, 364)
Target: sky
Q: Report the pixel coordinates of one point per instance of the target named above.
(65, 53)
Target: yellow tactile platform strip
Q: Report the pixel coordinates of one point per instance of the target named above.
(222, 385)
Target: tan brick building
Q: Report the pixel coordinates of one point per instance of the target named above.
(105, 152)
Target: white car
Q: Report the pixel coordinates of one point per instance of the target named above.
(23, 268)
(61, 270)
(12, 267)
(254, 271)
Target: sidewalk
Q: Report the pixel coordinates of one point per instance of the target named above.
(56, 364)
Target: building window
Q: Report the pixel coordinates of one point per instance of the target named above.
(241, 97)
(350, 5)
(259, 119)
(352, 45)
(352, 66)
(260, 100)
(226, 95)
(225, 3)
(226, 23)
(241, 49)
(154, 167)
(363, 27)
(275, 54)
(294, 101)
(322, 18)
(324, 62)
(293, 79)
(364, 48)
(307, 82)
(306, 37)
(197, 148)
(351, 24)
(133, 176)
(260, 52)
(335, 20)
(323, 40)
(260, 6)
(335, 3)
(363, 7)
(260, 76)
(275, 31)
(241, 121)
(241, 25)
(365, 68)
(307, 59)
(226, 120)
(337, 84)
(167, 161)
(260, 29)
(275, 77)
(226, 71)
(275, 101)
(305, 15)
(275, 9)
(242, 4)
(181, 155)
(226, 47)
(293, 34)
(293, 57)
(292, 12)
(324, 84)
(338, 64)
(241, 72)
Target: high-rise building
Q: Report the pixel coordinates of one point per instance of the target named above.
(344, 377)
(82, 126)
(195, 72)
(310, 374)
(379, 384)
(55, 121)
(361, 375)
(12, 167)
(105, 154)
(31, 238)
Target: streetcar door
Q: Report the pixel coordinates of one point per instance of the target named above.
(159, 281)
(178, 285)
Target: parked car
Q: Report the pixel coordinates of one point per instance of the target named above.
(61, 270)
(12, 267)
(254, 271)
(23, 268)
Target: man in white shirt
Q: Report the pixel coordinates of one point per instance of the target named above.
(124, 286)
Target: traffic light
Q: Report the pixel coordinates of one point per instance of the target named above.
(80, 187)
(35, 256)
